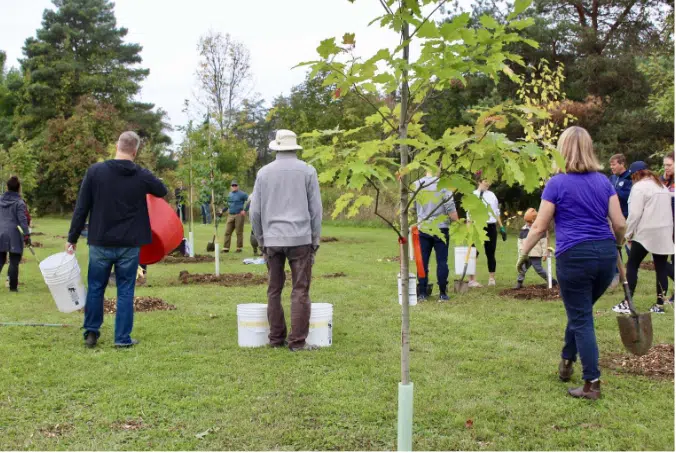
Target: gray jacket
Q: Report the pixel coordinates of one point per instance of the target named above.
(286, 206)
(429, 204)
(12, 214)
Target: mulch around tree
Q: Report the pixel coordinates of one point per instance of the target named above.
(37, 233)
(328, 239)
(648, 266)
(141, 304)
(186, 259)
(658, 363)
(246, 279)
(37, 244)
(532, 292)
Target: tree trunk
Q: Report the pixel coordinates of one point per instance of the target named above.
(403, 193)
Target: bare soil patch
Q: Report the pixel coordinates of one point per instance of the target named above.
(336, 275)
(37, 233)
(647, 266)
(658, 363)
(144, 303)
(58, 430)
(186, 259)
(328, 239)
(129, 425)
(37, 244)
(246, 279)
(541, 292)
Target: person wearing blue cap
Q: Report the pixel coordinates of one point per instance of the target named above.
(649, 230)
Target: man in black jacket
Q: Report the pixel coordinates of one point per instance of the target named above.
(113, 195)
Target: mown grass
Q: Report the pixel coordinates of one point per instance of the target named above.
(481, 357)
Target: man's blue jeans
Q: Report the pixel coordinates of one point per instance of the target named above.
(101, 262)
(584, 272)
(440, 247)
(206, 213)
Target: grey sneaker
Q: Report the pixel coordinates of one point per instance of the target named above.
(127, 345)
(622, 307)
(306, 347)
(657, 308)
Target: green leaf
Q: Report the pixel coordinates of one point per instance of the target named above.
(488, 22)
(521, 24)
(341, 203)
(521, 5)
(428, 30)
(531, 42)
(456, 183)
(349, 39)
(327, 48)
(363, 200)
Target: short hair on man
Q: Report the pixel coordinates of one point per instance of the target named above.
(128, 142)
(13, 184)
(619, 158)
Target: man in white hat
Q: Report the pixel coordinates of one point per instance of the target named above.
(286, 217)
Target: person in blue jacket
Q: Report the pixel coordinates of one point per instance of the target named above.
(621, 181)
(237, 209)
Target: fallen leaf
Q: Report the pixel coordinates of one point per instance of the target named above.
(469, 423)
(203, 434)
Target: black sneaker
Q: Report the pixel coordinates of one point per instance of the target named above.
(282, 345)
(657, 308)
(622, 307)
(90, 339)
(126, 345)
(443, 297)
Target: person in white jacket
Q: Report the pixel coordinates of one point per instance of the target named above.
(649, 230)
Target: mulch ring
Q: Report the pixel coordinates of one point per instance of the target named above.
(328, 239)
(37, 244)
(37, 233)
(658, 363)
(186, 259)
(541, 292)
(648, 266)
(247, 279)
(143, 303)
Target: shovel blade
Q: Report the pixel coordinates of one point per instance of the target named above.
(210, 247)
(636, 332)
(460, 286)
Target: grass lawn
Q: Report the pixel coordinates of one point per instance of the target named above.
(480, 357)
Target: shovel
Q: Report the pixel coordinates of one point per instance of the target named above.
(210, 245)
(636, 329)
(461, 286)
(30, 247)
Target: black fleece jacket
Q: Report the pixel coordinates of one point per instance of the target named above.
(113, 195)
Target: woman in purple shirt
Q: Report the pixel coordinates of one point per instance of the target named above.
(580, 201)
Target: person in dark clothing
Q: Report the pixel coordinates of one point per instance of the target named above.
(180, 202)
(113, 195)
(12, 215)
(621, 181)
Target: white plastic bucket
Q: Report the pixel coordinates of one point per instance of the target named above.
(61, 273)
(252, 325)
(321, 325)
(412, 287)
(460, 254)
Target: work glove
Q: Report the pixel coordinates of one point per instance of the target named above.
(503, 233)
(550, 252)
(521, 264)
(27, 241)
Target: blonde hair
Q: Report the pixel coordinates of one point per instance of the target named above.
(575, 145)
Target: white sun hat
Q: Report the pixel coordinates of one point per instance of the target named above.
(285, 140)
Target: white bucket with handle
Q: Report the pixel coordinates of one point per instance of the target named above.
(460, 254)
(321, 325)
(252, 325)
(61, 273)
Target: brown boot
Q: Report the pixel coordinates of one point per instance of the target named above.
(565, 370)
(590, 390)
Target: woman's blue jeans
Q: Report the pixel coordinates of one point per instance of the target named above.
(101, 262)
(584, 272)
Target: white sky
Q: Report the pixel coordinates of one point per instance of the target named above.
(279, 35)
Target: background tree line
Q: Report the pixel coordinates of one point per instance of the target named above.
(74, 92)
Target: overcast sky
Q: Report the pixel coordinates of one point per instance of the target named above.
(279, 35)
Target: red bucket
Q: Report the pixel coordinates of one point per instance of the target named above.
(167, 231)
